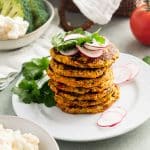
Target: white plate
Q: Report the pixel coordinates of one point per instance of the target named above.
(135, 98)
(30, 37)
(47, 142)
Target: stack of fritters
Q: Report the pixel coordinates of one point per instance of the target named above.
(82, 84)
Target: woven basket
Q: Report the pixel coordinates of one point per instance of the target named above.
(125, 9)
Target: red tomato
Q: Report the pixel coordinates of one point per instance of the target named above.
(140, 24)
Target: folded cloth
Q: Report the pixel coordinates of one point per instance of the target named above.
(11, 61)
(99, 11)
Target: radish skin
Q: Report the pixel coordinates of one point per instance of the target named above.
(89, 53)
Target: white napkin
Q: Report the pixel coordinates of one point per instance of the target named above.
(11, 61)
(99, 11)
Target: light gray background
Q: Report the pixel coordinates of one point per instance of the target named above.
(118, 31)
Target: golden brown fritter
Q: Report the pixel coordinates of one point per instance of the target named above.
(82, 61)
(89, 109)
(83, 97)
(70, 71)
(102, 101)
(80, 90)
(81, 82)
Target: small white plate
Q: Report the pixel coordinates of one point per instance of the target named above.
(135, 98)
(47, 142)
(30, 37)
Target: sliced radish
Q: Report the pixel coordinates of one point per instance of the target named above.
(110, 119)
(118, 109)
(89, 53)
(92, 47)
(95, 45)
(69, 52)
(125, 73)
(134, 68)
(121, 74)
(73, 36)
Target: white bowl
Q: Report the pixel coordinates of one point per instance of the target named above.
(28, 38)
(47, 142)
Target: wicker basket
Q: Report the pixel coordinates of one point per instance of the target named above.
(125, 9)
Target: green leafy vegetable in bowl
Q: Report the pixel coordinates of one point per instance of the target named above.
(147, 59)
(33, 11)
(28, 89)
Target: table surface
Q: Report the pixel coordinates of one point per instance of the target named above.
(118, 31)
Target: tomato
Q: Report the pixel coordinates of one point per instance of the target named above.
(140, 24)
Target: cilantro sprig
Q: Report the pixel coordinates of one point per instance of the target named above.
(28, 89)
(147, 59)
(59, 43)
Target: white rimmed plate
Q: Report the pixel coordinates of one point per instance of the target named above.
(47, 142)
(134, 98)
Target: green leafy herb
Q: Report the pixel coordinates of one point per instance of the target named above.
(28, 91)
(34, 70)
(47, 95)
(59, 43)
(147, 59)
(78, 30)
(98, 38)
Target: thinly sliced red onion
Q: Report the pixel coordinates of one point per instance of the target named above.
(110, 119)
(96, 46)
(125, 73)
(92, 47)
(121, 74)
(134, 68)
(118, 109)
(73, 36)
(89, 53)
(69, 52)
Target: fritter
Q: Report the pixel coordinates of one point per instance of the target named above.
(70, 71)
(90, 109)
(103, 101)
(80, 90)
(82, 61)
(81, 82)
(82, 97)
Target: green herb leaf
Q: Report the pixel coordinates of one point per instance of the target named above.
(34, 70)
(147, 59)
(47, 95)
(78, 30)
(58, 39)
(28, 91)
(98, 38)
(59, 43)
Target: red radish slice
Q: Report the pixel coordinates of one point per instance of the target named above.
(110, 119)
(95, 45)
(119, 110)
(73, 36)
(89, 53)
(69, 52)
(121, 74)
(134, 68)
(92, 47)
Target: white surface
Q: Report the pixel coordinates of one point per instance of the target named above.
(47, 142)
(134, 98)
(28, 38)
